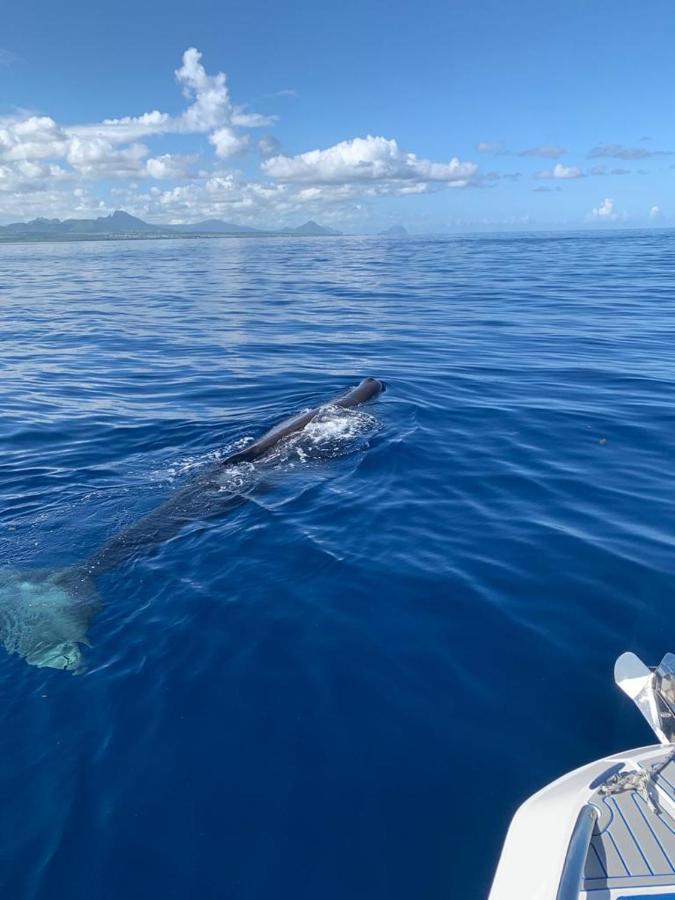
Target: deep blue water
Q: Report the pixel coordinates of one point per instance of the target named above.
(343, 688)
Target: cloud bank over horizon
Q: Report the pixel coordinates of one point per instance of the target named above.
(57, 170)
(215, 158)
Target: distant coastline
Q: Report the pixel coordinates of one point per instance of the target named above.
(122, 226)
(139, 236)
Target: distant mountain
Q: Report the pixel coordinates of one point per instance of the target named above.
(121, 224)
(41, 226)
(311, 229)
(117, 223)
(214, 226)
(395, 231)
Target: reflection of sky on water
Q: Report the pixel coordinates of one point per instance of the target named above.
(94, 328)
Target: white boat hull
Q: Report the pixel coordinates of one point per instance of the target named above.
(602, 832)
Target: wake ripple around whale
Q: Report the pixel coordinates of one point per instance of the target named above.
(334, 432)
(44, 615)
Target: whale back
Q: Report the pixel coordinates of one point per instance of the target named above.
(44, 615)
(366, 390)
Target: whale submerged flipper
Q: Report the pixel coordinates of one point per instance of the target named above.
(44, 616)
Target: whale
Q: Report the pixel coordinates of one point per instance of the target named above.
(45, 614)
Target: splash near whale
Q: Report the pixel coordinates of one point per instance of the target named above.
(45, 615)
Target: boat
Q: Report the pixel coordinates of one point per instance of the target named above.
(605, 831)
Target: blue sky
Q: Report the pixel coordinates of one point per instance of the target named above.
(441, 115)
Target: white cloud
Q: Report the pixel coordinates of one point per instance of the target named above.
(92, 149)
(211, 105)
(31, 137)
(560, 171)
(29, 175)
(48, 199)
(48, 168)
(129, 128)
(227, 142)
(97, 158)
(655, 213)
(166, 166)
(229, 196)
(369, 159)
(605, 210)
(243, 119)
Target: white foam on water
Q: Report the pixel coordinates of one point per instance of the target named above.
(339, 426)
(193, 464)
(187, 465)
(239, 478)
(333, 432)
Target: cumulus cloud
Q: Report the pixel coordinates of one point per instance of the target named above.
(605, 210)
(209, 94)
(222, 196)
(92, 148)
(619, 151)
(229, 195)
(368, 160)
(228, 143)
(167, 166)
(211, 105)
(55, 197)
(655, 213)
(28, 176)
(46, 162)
(31, 137)
(560, 171)
(96, 157)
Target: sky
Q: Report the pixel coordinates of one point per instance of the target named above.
(456, 115)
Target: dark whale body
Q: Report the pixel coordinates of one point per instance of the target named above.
(44, 616)
(204, 497)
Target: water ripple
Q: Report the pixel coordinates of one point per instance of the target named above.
(306, 697)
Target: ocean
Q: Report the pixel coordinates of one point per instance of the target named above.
(343, 687)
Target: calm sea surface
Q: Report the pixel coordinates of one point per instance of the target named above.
(343, 688)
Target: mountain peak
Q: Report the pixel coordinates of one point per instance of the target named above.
(312, 228)
(120, 216)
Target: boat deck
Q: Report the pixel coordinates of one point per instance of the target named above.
(633, 843)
